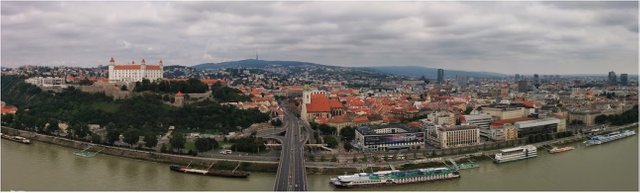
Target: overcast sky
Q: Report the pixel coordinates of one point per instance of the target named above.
(505, 37)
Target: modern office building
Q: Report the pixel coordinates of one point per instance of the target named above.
(537, 126)
(480, 120)
(450, 136)
(624, 79)
(523, 86)
(440, 76)
(613, 80)
(388, 137)
(505, 112)
(501, 132)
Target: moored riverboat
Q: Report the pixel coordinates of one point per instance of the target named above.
(15, 138)
(562, 149)
(394, 177)
(209, 172)
(601, 139)
(516, 153)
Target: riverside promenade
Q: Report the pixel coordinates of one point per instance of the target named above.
(343, 163)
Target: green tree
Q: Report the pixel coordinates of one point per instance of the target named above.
(80, 130)
(348, 133)
(7, 119)
(326, 129)
(112, 136)
(124, 87)
(331, 141)
(355, 159)
(347, 146)
(214, 143)
(177, 140)
(150, 140)
(203, 144)
(95, 138)
(52, 127)
(131, 136)
(334, 159)
(163, 149)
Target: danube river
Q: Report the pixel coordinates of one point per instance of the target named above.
(41, 166)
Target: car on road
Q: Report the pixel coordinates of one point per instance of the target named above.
(225, 152)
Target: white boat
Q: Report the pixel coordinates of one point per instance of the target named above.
(600, 139)
(516, 153)
(562, 149)
(394, 177)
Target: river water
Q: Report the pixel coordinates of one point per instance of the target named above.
(41, 166)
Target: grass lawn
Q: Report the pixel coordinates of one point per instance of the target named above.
(190, 146)
(187, 146)
(106, 107)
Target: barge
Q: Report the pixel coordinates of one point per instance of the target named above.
(209, 172)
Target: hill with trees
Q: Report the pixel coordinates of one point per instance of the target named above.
(143, 114)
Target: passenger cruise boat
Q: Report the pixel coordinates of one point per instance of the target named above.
(516, 153)
(600, 139)
(394, 177)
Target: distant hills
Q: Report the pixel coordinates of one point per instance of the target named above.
(252, 63)
(412, 71)
(417, 71)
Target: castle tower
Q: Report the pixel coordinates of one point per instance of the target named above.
(112, 65)
(179, 99)
(161, 64)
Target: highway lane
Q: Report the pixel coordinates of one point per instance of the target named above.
(291, 174)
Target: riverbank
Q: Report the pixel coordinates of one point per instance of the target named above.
(245, 165)
(271, 166)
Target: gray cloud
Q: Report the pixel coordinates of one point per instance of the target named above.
(508, 37)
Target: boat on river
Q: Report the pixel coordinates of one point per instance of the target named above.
(601, 139)
(562, 149)
(209, 171)
(15, 138)
(394, 177)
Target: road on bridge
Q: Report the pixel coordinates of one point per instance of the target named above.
(291, 174)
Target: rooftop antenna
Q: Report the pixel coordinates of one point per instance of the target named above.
(256, 55)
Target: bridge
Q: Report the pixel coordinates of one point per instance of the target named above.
(291, 174)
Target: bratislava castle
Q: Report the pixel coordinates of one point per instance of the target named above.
(134, 72)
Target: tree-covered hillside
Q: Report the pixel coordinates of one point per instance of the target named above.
(145, 113)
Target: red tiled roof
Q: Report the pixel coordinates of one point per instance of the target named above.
(8, 109)
(338, 119)
(321, 103)
(531, 104)
(415, 124)
(360, 119)
(179, 94)
(321, 120)
(212, 81)
(135, 67)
